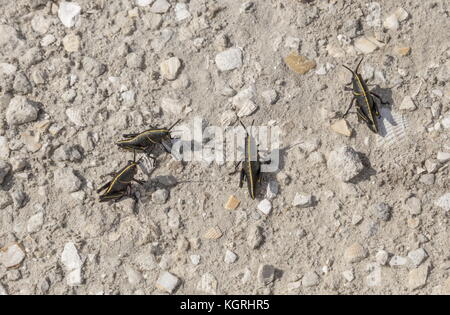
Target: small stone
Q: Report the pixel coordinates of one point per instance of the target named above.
(382, 257)
(167, 282)
(228, 118)
(72, 264)
(427, 179)
(355, 253)
(174, 219)
(401, 14)
(417, 278)
(408, 104)
(341, 127)
(195, 259)
(432, 166)
(348, 275)
(173, 106)
(5, 198)
(442, 157)
(265, 206)
(160, 196)
(3, 291)
(143, 3)
(93, 66)
(213, 233)
(182, 12)
(229, 59)
(266, 274)
(160, 6)
(40, 24)
(310, 279)
(272, 189)
(232, 203)
(446, 122)
(244, 102)
(134, 276)
(255, 237)
(345, 163)
(444, 202)
(414, 205)
(21, 111)
(270, 96)
(398, 261)
(170, 68)
(382, 211)
(68, 13)
(366, 45)
(71, 43)
(5, 168)
(391, 22)
(135, 60)
(403, 51)
(356, 219)
(66, 180)
(230, 257)
(35, 223)
(303, 200)
(21, 84)
(69, 96)
(47, 40)
(299, 64)
(12, 256)
(417, 256)
(208, 284)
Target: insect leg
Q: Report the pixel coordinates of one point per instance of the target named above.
(235, 168)
(362, 115)
(140, 182)
(103, 187)
(130, 135)
(379, 98)
(351, 105)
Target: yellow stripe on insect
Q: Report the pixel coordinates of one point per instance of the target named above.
(250, 171)
(365, 97)
(118, 176)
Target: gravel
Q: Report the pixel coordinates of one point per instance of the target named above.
(345, 164)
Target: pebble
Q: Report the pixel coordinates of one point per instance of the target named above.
(69, 96)
(167, 282)
(93, 66)
(427, 179)
(444, 202)
(417, 256)
(68, 13)
(442, 157)
(21, 84)
(208, 284)
(72, 264)
(414, 205)
(446, 122)
(35, 223)
(66, 180)
(345, 163)
(403, 51)
(303, 200)
(160, 196)
(5, 198)
(160, 6)
(5, 168)
(356, 219)
(266, 274)
(71, 42)
(182, 12)
(230, 257)
(134, 276)
(310, 279)
(270, 96)
(348, 275)
(417, 278)
(173, 106)
(232, 203)
(244, 102)
(143, 3)
(170, 68)
(367, 45)
(8, 37)
(299, 64)
(255, 237)
(174, 219)
(265, 206)
(401, 14)
(272, 189)
(40, 24)
(398, 261)
(382, 211)
(47, 40)
(195, 259)
(341, 127)
(391, 22)
(229, 59)
(3, 291)
(12, 256)
(21, 111)
(432, 166)
(355, 253)
(382, 257)
(408, 104)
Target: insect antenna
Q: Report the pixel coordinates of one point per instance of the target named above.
(357, 67)
(174, 124)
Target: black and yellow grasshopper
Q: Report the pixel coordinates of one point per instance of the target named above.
(367, 109)
(120, 186)
(251, 166)
(146, 140)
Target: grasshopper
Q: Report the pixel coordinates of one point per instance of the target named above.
(251, 166)
(120, 186)
(367, 110)
(146, 140)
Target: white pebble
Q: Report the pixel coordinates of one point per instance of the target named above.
(72, 264)
(303, 200)
(229, 59)
(417, 256)
(444, 202)
(265, 206)
(68, 13)
(167, 282)
(230, 257)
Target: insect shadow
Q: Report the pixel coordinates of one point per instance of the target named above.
(368, 171)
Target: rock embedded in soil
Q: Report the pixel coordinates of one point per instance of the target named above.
(229, 59)
(160, 196)
(170, 68)
(414, 205)
(442, 157)
(68, 13)
(207, 284)
(35, 223)
(232, 203)
(398, 261)
(417, 278)
(230, 257)
(270, 96)
(345, 163)
(67, 180)
(382, 211)
(266, 274)
(72, 263)
(93, 66)
(348, 275)
(5, 168)
(444, 202)
(71, 42)
(303, 200)
(299, 64)
(265, 206)
(167, 282)
(310, 279)
(160, 7)
(21, 111)
(382, 257)
(341, 127)
(12, 255)
(182, 12)
(355, 253)
(408, 104)
(255, 237)
(417, 256)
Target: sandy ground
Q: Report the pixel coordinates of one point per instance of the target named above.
(369, 219)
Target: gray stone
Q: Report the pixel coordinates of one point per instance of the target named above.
(93, 66)
(5, 199)
(270, 96)
(35, 223)
(345, 163)
(31, 57)
(67, 180)
(266, 274)
(21, 84)
(160, 6)
(417, 256)
(230, 257)
(310, 279)
(72, 263)
(12, 256)
(444, 202)
(255, 237)
(382, 211)
(160, 196)
(21, 111)
(414, 205)
(229, 59)
(428, 179)
(5, 168)
(68, 13)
